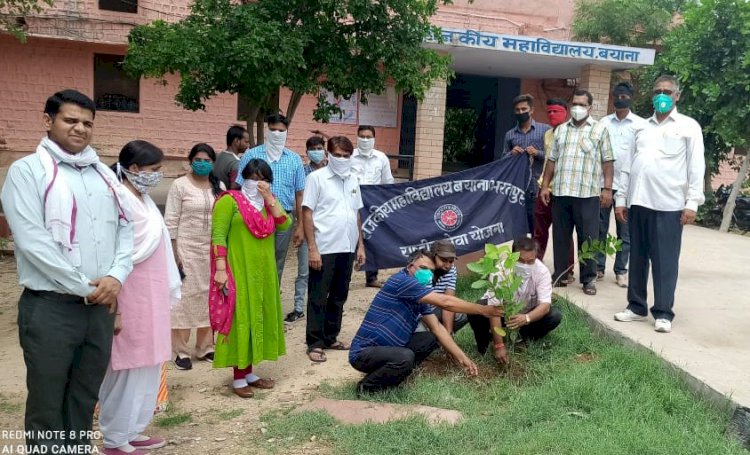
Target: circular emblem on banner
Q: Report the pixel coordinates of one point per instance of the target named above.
(448, 217)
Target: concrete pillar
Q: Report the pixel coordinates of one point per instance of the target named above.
(596, 79)
(430, 125)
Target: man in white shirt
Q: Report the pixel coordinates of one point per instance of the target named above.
(330, 208)
(661, 188)
(536, 319)
(371, 167)
(621, 125)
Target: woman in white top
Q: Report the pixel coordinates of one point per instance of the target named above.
(188, 217)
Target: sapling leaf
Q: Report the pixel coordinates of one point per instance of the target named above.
(476, 267)
(500, 331)
(480, 284)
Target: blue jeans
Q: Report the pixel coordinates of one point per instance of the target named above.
(623, 233)
(282, 241)
(303, 272)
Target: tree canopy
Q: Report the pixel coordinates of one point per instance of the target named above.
(253, 48)
(625, 22)
(12, 13)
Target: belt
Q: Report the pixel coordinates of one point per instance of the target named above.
(57, 297)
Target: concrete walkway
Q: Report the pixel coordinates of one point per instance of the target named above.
(710, 339)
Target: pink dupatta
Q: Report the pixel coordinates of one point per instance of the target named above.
(221, 302)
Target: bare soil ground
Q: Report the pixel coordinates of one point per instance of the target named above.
(216, 421)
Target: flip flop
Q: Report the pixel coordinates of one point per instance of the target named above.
(338, 346)
(317, 355)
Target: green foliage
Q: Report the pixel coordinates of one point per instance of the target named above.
(12, 10)
(579, 394)
(625, 22)
(253, 48)
(460, 125)
(172, 420)
(710, 54)
(496, 272)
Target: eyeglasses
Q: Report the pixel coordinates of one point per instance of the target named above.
(663, 92)
(579, 104)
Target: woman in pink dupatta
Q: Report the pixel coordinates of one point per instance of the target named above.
(128, 394)
(244, 301)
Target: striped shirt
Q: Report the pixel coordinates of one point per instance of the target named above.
(288, 174)
(393, 315)
(578, 154)
(533, 137)
(446, 282)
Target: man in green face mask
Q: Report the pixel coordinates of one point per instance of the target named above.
(386, 347)
(661, 187)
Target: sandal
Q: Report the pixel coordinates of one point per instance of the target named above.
(316, 355)
(338, 346)
(589, 289)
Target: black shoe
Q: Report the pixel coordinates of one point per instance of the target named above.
(184, 364)
(208, 357)
(294, 316)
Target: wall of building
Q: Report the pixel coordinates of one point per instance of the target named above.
(35, 70)
(547, 18)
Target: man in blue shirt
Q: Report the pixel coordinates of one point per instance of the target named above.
(288, 181)
(526, 141)
(386, 347)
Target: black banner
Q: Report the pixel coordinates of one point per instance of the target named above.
(482, 205)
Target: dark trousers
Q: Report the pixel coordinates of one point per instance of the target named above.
(327, 291)
(542, 223)
(389, 366)
(583, 215)
(480, 325)
(530, 208)
(66, 348)
(655, 238)
(623, 233)
(371, 276)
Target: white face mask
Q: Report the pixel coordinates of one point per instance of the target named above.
(365, 145)
(250, 190)
(523, 270)
(579, 113)
(275, 142)
(340, 166)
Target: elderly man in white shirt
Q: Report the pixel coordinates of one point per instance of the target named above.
(332, 225)
(371, 167)
(661, 188)
(621, 125)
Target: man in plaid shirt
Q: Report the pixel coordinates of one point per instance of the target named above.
(581, 153)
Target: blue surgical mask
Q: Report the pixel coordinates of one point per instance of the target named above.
(424, 277)
(662, 103)
(316, 156)
(202, 168)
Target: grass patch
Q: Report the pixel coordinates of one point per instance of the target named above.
(7, 406)
(172, 420)
(231, 414)
(579, 394)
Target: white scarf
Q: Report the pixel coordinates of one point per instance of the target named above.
(149, 231)
(275, 142)
(250, 190)
(59, 202)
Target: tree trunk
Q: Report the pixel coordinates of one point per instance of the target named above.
(293, 104)
(726, 221)
(250, 124)
(259, 121)
(707, 188)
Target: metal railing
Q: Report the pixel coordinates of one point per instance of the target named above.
(404, 166)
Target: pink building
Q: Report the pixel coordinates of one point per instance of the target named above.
(500, 49)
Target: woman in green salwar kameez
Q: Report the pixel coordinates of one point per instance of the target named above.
(244, 271)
